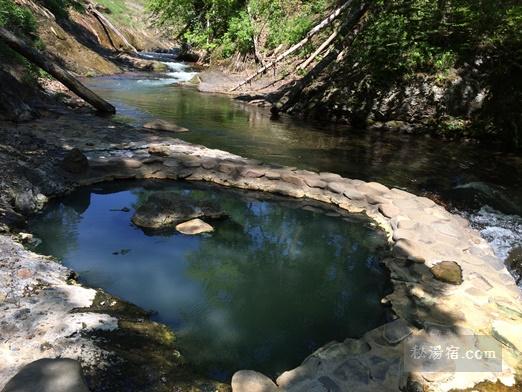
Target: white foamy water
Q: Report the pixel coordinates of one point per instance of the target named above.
(503, 232)
(180, 71)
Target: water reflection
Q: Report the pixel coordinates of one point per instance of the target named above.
(271, 284)
(466, 177)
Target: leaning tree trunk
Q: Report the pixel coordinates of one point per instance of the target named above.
(44, 62)
(107, 25)
(352, 20)
(300, 44)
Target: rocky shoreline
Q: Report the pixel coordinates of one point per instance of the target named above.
(445, 276)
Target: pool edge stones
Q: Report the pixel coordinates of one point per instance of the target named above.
(428, 236)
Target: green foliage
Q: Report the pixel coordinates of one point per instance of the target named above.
(60, 8)
(409, 36)
(15, 17)
(229, 26)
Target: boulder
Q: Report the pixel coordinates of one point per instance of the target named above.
(194, 226)
(167, 209)
(448, 272)
(251, 381)
(75, 162)
(162, 125)
(49, 375)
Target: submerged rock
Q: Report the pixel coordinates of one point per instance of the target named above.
(162, 125)
(49, 375)
(168, 209)
(194, 226)
(448, 272)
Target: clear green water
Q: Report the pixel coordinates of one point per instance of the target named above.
(467, 176)
(276, 280)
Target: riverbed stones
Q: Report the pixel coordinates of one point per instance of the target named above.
(75, 162)
(447, 272)
(509, 333)
(48, 375)
(194, 227)
(293, 179)
(167, 209)
(252, 381)
(396, 331)
(389, 210)
(162, 125)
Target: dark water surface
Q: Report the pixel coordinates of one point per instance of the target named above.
(476, 180)
(276, 280)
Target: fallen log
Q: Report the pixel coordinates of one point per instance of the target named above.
(64, 76)
(339, 50)
(319, 50)
(300, 44)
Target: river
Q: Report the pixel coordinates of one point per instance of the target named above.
(477, 181)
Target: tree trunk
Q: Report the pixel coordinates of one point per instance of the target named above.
(299, 45)
(319, 50)
(339, 51)
(41, 60)
(106, 24)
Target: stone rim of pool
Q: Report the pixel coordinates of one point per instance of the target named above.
(93, 223)
(486, 302)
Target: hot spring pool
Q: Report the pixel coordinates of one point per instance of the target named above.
(277, 278)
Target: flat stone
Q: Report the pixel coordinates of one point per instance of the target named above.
(508, 333)
(389, 210)
(448, 272)
(158, 149)
(378, 187)
(396, 331)
(190, 162)
(294, 180)
(328, 177)
(251, 381)
(272, 175)
(49, 375)
(209, 163)
(337, 187)
(353, 194)
(162, 125)
(194, 226)
(315, 182)
(354, 371)
(252, 173)
(227, 168)
(400, 194)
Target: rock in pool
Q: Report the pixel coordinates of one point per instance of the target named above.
(163, 210)
(194, 226)
(162, 125)
(448, 272)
